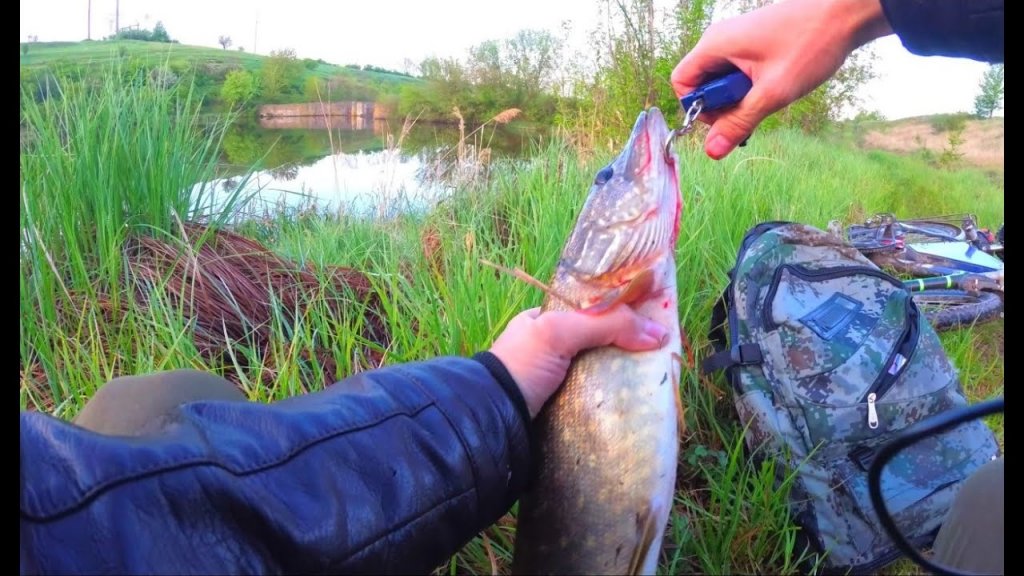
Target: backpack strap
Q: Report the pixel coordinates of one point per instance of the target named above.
(742, 355)
(719, 317)
(724, 356)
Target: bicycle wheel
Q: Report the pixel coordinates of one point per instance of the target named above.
(932, 231)
(948, 309)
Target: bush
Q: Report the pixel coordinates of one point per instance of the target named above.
(239, 87)
(949, 122)
(162, 78)
(157, 34)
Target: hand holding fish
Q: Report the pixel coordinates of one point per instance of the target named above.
(538, 348)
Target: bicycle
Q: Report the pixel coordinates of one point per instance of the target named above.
(885, 233)
(956, 268)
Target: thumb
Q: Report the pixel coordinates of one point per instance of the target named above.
(696, 67)
(573, 332)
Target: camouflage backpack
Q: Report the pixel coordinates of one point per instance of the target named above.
(828, 358)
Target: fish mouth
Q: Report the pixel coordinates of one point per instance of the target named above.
(645, 150)
(652, 167)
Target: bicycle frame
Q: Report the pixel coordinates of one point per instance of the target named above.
(969, 252)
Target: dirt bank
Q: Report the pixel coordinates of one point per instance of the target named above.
(982, 140)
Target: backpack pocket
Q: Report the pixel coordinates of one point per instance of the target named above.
(840, 338)
(918, 486)
(834, 327)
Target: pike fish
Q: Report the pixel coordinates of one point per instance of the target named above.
(603, 481)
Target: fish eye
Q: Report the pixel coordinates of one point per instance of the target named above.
(604, 175)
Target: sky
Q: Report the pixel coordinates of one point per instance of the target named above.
(388, 32)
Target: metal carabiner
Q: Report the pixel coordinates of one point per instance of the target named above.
(691, 115)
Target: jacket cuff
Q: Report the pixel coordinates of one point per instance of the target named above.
(497, 369)
(500, 373)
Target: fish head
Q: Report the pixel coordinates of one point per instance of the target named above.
(631, 216)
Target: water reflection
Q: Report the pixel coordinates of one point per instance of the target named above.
(320, 122)
(353, 165)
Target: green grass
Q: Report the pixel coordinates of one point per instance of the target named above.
(86, 185)
(100, 163)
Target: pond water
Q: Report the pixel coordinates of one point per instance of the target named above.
(352, 165)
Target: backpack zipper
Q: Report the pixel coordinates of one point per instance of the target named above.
(895, 363)
(872, 412)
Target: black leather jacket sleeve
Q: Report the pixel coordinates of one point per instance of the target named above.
(388, 471)
(955, 28)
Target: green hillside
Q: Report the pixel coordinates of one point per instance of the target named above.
(210, 66)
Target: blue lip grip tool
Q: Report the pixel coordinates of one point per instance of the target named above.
(722, 92)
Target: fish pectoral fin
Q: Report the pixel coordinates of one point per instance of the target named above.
(637, 289)
(647, 530)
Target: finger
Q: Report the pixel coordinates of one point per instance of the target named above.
(696, 68)
(571, 332)
(625, 329)
(730, 128)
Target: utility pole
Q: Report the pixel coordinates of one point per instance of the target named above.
(117, 17)
(88, 26)
(255, 33)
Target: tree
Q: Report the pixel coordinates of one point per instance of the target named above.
(239, 86)
(692, 18)
(160, 33)
(224, 41)
(409, 68)
(634, 49)
(991, 97)
(532, 58)
(281, 71)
